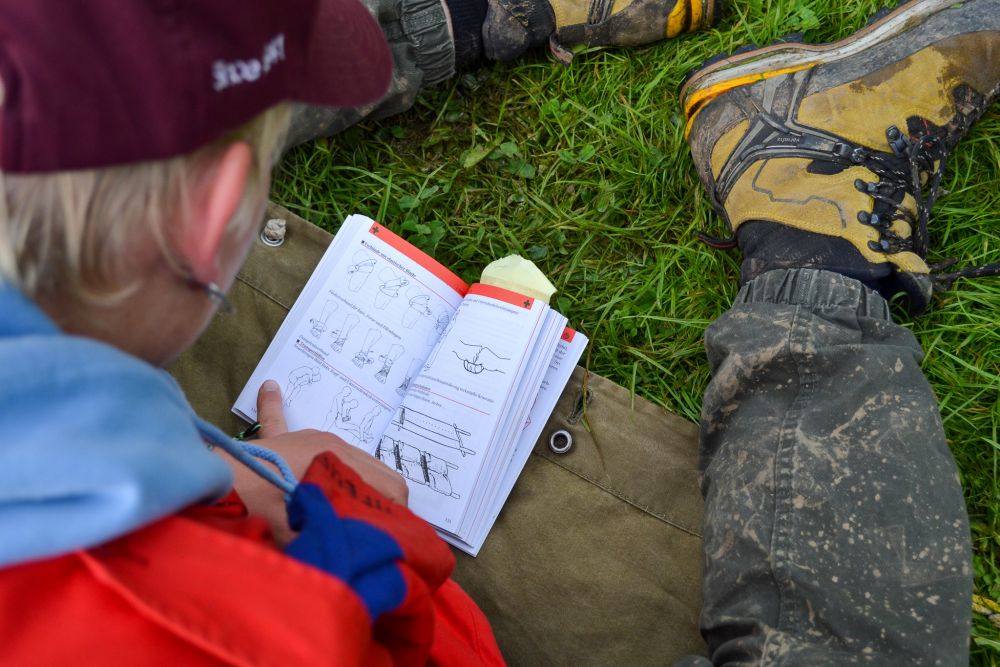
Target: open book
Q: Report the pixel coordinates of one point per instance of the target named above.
(448, 384)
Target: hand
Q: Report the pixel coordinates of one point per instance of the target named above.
(298, 448)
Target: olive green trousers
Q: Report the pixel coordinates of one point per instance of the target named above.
(596, 557)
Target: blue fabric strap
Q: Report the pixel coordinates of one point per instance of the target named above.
(251, 456)
(359, 554)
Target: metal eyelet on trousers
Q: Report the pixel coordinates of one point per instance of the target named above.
(561, 442)
(273, 233)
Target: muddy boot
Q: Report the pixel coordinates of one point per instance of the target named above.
(513, 26)
(831, 156)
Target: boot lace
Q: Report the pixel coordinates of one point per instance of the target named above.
(917, 165)
(914, 165)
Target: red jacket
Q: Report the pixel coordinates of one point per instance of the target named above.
(209, 587)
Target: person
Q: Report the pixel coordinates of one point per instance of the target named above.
(136, 150)
(121, 538)
(431, 40)
(835, 528)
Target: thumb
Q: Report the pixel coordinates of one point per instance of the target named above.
(270, 411)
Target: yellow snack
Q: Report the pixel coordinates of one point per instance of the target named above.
(519, 275)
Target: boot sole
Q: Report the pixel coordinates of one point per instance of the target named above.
(721, 75)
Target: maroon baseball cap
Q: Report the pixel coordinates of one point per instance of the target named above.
(93, 83)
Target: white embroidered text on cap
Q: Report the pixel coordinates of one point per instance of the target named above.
(234, 72)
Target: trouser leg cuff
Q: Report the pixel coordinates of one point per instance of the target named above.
(425, 25)
(814, 289)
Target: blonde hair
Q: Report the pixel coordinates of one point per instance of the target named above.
(70, 232)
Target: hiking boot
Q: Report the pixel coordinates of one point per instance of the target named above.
(830, 156)
(514, 26)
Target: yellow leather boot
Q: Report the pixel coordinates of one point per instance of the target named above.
(513, 26)
(831, 155)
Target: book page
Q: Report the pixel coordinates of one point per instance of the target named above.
(358, 335)
(439, 437)
(568, 352)
(523, 396)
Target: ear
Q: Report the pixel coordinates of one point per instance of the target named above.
(214, 204)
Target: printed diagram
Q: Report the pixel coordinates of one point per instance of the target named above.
(411, 373)
(478, 362)
(363, 430)
(432, 429)
(440, 327)
(340, 410)
(319, 323)
(389, 289)
(417, 465)
(388, 359)
(437, 348)
(340, 335)
(416, 310)
(301, 377)
(357, 273)
(341, 416)
(365, 356)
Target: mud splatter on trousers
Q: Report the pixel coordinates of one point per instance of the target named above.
(835, 529)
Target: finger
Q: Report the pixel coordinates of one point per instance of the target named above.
(270, 411)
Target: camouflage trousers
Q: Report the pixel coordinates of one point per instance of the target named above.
(835, 529)
(423, 53)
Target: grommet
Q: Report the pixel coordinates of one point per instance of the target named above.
(273, 233)
(561, 442)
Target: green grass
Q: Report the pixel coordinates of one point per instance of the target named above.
(585, 170)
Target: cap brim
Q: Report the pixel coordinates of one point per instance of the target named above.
(348, 62)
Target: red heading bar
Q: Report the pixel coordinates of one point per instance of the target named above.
(420, 257)
(501, 294)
